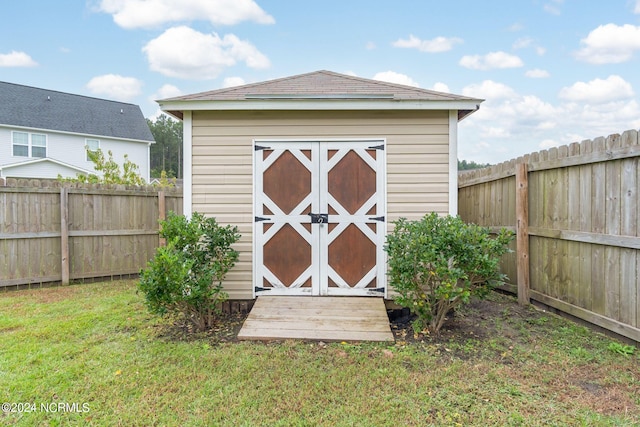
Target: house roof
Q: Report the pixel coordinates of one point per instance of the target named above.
(31, 107)
(321, 90)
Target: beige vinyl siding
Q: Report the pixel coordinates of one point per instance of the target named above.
(222, 163)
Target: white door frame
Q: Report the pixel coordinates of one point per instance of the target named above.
(319, 237)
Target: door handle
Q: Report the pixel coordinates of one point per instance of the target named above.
(319, 218)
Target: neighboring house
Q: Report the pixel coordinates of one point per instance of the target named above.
(44, 133)
(313, 169)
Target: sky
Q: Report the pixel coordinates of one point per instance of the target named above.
(552, 72)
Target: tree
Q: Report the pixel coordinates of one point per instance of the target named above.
(166, 153)
(111, 173)
(464, 165)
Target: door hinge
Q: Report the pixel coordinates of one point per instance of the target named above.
(377, 147)
(380, 290)
(377, 218)
(259, 218)
(259, 289)
(260, 147)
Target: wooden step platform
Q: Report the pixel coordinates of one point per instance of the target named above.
(317, 318)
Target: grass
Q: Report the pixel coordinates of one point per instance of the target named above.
(96, 345)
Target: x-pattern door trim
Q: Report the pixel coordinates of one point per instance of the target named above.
(278, 219)
(343, 219)
(319, 236)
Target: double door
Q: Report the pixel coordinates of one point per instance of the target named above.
(319, 218)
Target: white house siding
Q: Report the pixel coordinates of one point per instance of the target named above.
(69, 149)
(222, 169)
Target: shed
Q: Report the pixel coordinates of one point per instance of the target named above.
(313, 169)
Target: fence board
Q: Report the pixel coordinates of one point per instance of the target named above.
(586, 172)
(584, 238)
(109, 231)
(522, 233)
(573, 224)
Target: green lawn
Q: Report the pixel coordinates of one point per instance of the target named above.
(92, 355)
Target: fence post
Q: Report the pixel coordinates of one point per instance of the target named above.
(64, 235)
(522, 232)
(162, 214)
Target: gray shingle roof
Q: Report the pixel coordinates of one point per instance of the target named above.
(322, 84)
(48, 109)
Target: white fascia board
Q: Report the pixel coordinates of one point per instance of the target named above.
(47, 160)
(315, 104)
(84, 135)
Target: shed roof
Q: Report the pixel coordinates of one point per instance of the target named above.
(321, 90)
(32, 107)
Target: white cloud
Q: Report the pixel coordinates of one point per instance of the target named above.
(637, 8)
(152, 13)
(370, 46)
(598, 91)
(525, 42)
(115, 87)
(16, 59)
(553, 7)
(186, 53)
(233, 81)
(537, 73)
(441, 87)
(515, 27)
(438, 44)
(494, 132)
(522, 43)
(515, 124)
(547, 125)
(548, 143)
(167, 91)
(489, 90)
(610, 44)
(393, 77)
(491, 60)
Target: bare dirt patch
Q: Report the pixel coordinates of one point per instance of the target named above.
(497, 316)
(226, 330)
(479, 320)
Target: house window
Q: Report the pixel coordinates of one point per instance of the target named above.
(92, 145)
(38, 145)
(29, 144)
(21, 144)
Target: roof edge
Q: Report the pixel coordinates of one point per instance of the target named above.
(81, 134)
(390, 86)
(319, 104)
(52, 91)
(42, 160)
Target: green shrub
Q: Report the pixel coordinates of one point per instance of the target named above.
(438, 263)
(185, 277)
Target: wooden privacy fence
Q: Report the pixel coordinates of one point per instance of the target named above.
(52, 232)
(575, 213)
